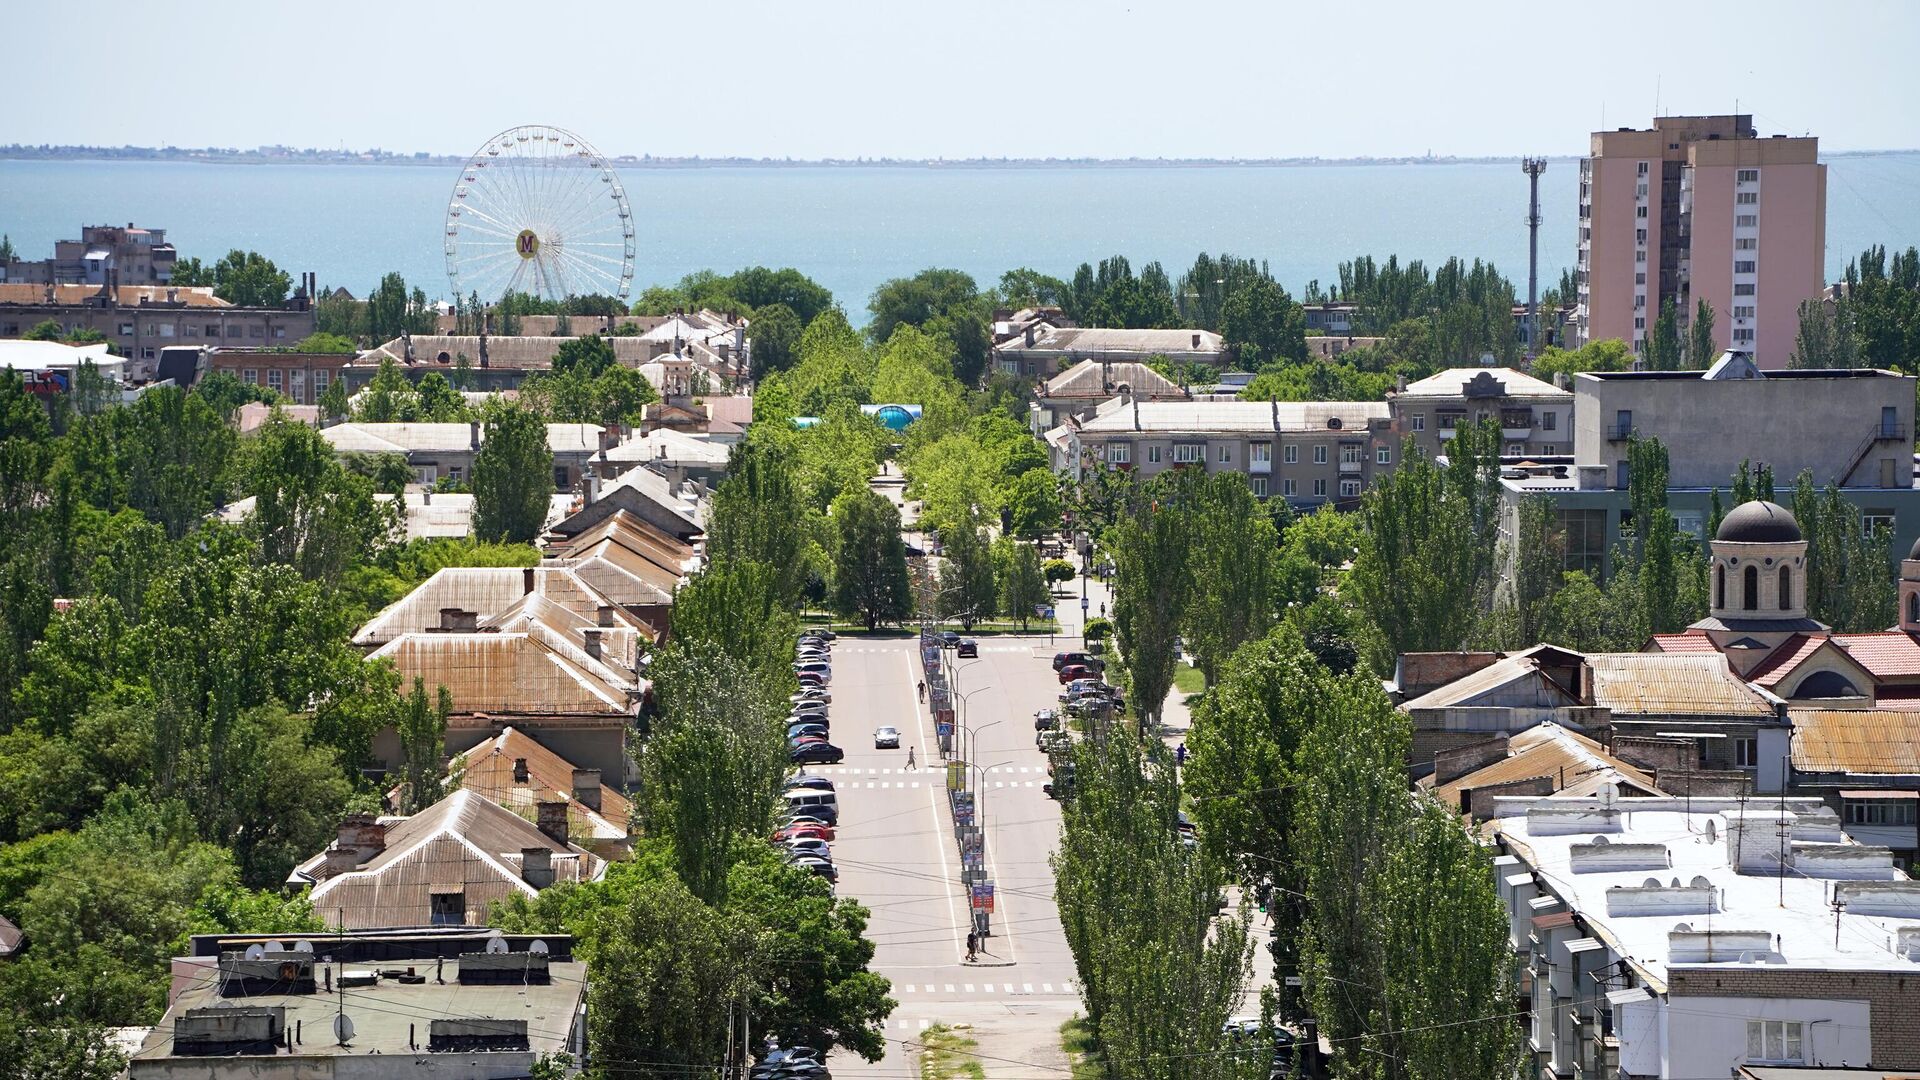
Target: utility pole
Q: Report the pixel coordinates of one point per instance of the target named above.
(1533, 167)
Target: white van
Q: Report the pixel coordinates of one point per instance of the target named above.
(813, 798)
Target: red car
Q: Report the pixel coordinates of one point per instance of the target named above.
(1074, 671)
(803, 831)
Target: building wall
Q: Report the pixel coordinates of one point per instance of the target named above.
(302, 377)
(1710, 427)
(1790, 207)
(139, 333)
(1611, 264)
(1538, 440)
(1314, 482)
(1873, 1014)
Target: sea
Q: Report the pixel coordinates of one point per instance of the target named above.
(853, 227)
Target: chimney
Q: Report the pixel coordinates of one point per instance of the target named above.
(536, 866)
(586, 788)
(1030, 335)
(426, 496)
(592, 642)
(519, 770)
(486, 324)
(473, 434)
(553, 821)
(526, 580)
(458, 620)
(609, 437)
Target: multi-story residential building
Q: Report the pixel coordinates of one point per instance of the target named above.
(1041, 350)
(1536, 418)
(1850, 428)
(1307, 452)
(438, 450)
(1078, 391)
(1700, 208)
(1685, 937)
(130, 256)
(140, 320)
(298, 376)
(417, 1004)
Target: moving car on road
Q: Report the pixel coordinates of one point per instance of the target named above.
(969, 647)
(949, 639)
(886, 738)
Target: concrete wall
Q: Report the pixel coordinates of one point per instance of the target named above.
(364, 1066)
(1870, 1016)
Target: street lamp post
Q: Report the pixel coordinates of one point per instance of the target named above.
(960, 722)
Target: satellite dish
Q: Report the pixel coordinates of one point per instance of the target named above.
(343, 1028)
(303, 946)
(538, 948)
(1601, 841)
(1746, 956)
(1713, 831)
(1676, 883)
(1700, 882)
(1650, 883)
(1683, 928)
(497, 944)
(255, 952)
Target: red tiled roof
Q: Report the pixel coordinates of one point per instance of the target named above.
(1897, 697)
(1885, 653)
(1683, 643)
(1784, 658)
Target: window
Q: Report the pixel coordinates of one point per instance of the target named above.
(559, 478)
(1743, 290)
(1747, 176)
(1383, 456)
(1260, 453)
(1419, 422)
(1720, 586)
(213, 329)
(1226, 453)
(1880, 812)
(146, 353)
(1746, 243)
(1119, 453)
(166, 329)
(448, 909)
(250, 375)
(1643, 168)
(1639, 236)
(1743, 336)
(1875, 520)
(153, 328)
(1640, 192)
(254, 331)
(276, 379)
(1640, 300)
(1743, 311)
(1775, 1040)
(1746, 753)
(319, 383)
(1548, 420)
(1640, 212)
(1639, 256)
(1515, 449)
(1350, 454)
(281, 331)
(1786, 588)
(126, 329)
(1746, 221)
(1153, 455)
(1349, 489)
(1259, 487)
(1743, 266)
(1286, 487)
(1747, 198)
(1290, 454)
(1320, 487)
(1448, 421)
(1750, 598)
(1186, 453)
(1320, 454)
(1640, 278)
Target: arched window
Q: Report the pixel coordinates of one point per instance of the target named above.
(1752, 599)
(1913, 607)
(1720, 586)
(1786, 589)
(1825, 684)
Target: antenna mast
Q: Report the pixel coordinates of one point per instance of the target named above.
(1533, 167)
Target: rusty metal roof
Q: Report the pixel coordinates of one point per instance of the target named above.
(1867, 741)
(490, 771)
(1578, 765)
(1673, 684)
(504, 673)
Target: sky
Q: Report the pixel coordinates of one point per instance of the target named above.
(957, 78)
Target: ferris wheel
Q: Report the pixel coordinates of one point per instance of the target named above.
(538, 210)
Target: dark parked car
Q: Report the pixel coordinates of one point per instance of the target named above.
(817, 753)
(1062, 659)
(800, 732)
(969, 647)
(1046, 720)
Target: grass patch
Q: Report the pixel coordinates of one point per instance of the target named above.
(1189, 680)
(1082, 1050)
(946, 1054)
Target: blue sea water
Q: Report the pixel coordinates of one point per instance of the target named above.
(852, 228)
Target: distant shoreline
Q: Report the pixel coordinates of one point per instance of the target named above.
(276, 156)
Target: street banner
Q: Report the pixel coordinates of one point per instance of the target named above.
(956, 770)
(983, 897)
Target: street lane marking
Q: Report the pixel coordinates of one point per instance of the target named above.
(1046, 988)
(949, 988)
(924, 1024)
(906, 988)
(1026, 988)
(929, 988)
(1008, 986)
(933, 804)
(969, 988)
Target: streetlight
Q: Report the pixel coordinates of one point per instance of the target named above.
(973, 736)
(960, 721)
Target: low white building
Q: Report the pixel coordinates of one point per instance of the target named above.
(54, 361)
(1685, 938)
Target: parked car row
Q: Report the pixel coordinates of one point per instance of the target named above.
(808, 728)
(807, 824)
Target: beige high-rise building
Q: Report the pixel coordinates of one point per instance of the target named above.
(1701, 208)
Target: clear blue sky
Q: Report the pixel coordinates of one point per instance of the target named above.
(956, 78)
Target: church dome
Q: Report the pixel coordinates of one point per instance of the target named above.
(1759, 522)
(1914, 551)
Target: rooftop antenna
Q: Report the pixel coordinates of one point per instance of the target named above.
(1533, 167)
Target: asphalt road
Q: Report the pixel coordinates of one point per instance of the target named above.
(895, 852)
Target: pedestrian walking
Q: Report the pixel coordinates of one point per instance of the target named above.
(910, 764)
(973, 946)
(922, 687)
(1180, 756)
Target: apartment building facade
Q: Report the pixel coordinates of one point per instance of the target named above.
(300, 377)
(1307, 452)
(129, 255)
(141, 320)
(1700, 208)
(1536, 417)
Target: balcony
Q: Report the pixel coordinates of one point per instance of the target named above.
(1260, 466)
(1350, 468)
(1619, 434)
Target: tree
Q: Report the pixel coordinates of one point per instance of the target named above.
(1538, 559)
(1607, 354)
(1663, 342)
(1826, 337)
(422, 728)
(333, 400)
(249, 279)
(1025, 288)
(309, 512)
(1262, 324)
(1850, 580)
(1023, 588)
(757, 516)
(318, 342)
(1151, 587)
(1232, 556)
(1033, 503)
(773, 338)
(589, 355)
(940, 302)
(391, 310)
(439, 401)
(1701, 350)
(870, 560)
(46, 330)
(512, 477)
(969, 587)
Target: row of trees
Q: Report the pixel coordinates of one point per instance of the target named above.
(1874, 321)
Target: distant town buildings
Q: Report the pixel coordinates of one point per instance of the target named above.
(103, 254)
(1041, 349)
(141, 320)
(1701, 208)
(437, 450)
(1536, 418)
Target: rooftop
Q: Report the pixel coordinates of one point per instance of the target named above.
(1682, 684)
(1204, 417)
(514, 674)
(1878, 742)
(447, 438)
(1100, 381)
(1484, 381)
(124, 296)
(1579, 766)
(491, 768)
(1113, 342)
(1679, 863)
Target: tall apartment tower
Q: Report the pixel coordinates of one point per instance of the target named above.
(1701, 208)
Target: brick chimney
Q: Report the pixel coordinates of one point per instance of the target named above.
(1196, 341)
(360, 838)
(553, 821)
(591, 642)
(458, 620)
(526, 579)
(586, 788)
(603, 616)
(519, 770)
(473, 434)
(536, 866)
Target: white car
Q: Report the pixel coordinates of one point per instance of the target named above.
(886, 738)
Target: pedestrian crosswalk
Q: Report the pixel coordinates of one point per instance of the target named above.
(861, 770)
(843, 650)
(989, 989)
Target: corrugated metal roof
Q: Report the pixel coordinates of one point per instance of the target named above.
(1101, 339)
(1578, 765)
(503, 673)
(490, 769)
(483, 590)
(1874, 741)
(1662, 683)
(1501, 673)
(1093, 379)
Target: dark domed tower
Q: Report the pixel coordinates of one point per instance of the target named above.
(1910, 590)
(1758, 584)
